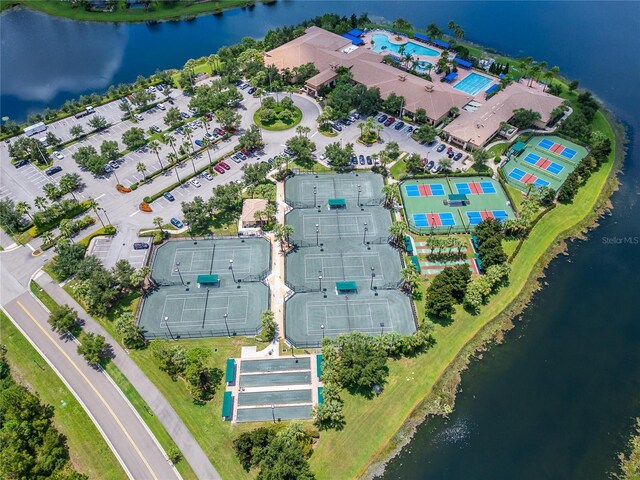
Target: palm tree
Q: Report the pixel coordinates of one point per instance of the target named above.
(302, 130)
(68, 184)
(159, 222)
(93, 205)
(270, 210)
(391, 193)
(190, 66)
(173, 158)
(213, 60)
(65, 229)
(434, 31)
(410, 276)
(398, 230)
(142, 168)
(23, 208)
(207, 145)
(187, 131)
(171, 141)
(47, 237)
(155, 147)
(52, 192)
(40, 203)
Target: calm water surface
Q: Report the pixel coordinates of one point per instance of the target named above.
(558, 399)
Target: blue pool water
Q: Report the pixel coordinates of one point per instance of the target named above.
(473, 83)
(382, 43)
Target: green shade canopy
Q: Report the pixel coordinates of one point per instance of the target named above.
(416, 263)
(346, 286)
(230, 374)
(459, 197)
(319, 365)
(518, 146)
(205, 279)
(337, 202)
(320, 395)
(227, 405)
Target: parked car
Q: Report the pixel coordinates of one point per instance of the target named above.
(218, 169)
(382, 118)
(436, 168)
(369, 160)
(219, 131)
(409, 129)
(399, 125)
(185, 115)
(208, 176)
(251, 91)
(155, 128)
(21, 163)
(361, 159)
(458, 156)
(336, 126)
(161, 106)
(236, 158)
(389, 121)
(168, 196)
(176, 223)
(195, 183)
(58, 155)
(53, 170)
(107, 169)
(138, 117)
(354, 160)
(198, 143)
(140, 246)
(224, 165)
(430, 164)
(441, 148)
(246, 152)
(451, 154)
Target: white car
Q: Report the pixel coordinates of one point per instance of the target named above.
(138, 117)
(161, 106)
(195, 183)
(208, 176)
(58, 155)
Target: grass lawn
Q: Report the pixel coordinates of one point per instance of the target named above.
(497, 150)
(374, 425)
(204, 421)
(89, 452)
(314, 167)
(516, 195)
(399, 168)
(159, 10)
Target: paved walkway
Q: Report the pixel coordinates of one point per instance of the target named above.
(147, 390)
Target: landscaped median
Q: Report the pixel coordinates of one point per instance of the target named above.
(427, 383)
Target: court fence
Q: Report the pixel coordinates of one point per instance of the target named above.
(300, 205)
(172, 335)
(369, 241)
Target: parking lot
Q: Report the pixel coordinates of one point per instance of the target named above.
(111, 249)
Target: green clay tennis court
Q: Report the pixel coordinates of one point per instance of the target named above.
(453, 204)
(207, 288)
(302, 191)
(545, 161)
(343, 271)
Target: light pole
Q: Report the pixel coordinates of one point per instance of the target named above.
(322, 328)
(166, 322)
(320, 282)
(364, 236)
(317, 235)
(179, 273)
(381, 328)
(233, 275)
(105, 214)
(273, 413)
(359, 190)
(226, 324)
(315, 193)
(373, 275)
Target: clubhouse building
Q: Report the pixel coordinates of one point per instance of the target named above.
(478, 121)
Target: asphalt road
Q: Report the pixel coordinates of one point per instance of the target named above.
(126, 434)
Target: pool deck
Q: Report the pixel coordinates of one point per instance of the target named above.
(462, 73)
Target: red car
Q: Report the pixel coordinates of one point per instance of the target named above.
(389, 121)
(209, 116)
(245, 151)
(219, 131)
(218, 169)
(224, 165)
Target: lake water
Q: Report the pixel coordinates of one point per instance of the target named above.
(558, 399)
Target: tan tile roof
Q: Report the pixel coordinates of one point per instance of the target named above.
(323, 49)
(249, 208)
(479, 126)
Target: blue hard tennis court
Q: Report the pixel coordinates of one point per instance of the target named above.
(468, 188)
(557, 148)
(477, 217)
(442, 219)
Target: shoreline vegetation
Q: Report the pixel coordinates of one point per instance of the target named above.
(426, 384)
(158, 11)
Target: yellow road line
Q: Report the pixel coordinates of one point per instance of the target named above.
(108, 407)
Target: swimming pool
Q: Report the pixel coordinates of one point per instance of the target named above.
(473, 83)
(381, 43)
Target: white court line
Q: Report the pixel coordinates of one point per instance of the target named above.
(368, 303)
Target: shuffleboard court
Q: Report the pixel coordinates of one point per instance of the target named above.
(275, 365)
(275, 379)
(274, 398)
(264, 414)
